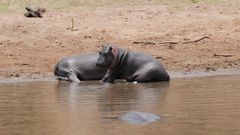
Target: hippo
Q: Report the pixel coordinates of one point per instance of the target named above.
(34, 13)
(135, 117)
(79, 67)
(129, 65)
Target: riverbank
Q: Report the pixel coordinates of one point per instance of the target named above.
(190, 38)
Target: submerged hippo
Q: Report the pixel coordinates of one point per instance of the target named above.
(129, 65)
(139, 117)
(80, 67)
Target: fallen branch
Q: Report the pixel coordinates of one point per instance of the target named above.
(145, 43)
(153, 43)
(168, 42)
(194, 41)
(38, 12)
(158, 57)
(72, 24)
(223, 55)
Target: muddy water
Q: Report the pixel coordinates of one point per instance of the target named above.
(189, 106)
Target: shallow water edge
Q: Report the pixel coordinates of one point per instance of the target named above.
(173, 75)
(186, 106)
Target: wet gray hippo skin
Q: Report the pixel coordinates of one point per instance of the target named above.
(139, 117)
(80, 67)
(131, 66)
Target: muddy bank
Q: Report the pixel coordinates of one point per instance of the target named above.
(193, 38)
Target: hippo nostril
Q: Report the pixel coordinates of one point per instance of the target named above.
(99, 64)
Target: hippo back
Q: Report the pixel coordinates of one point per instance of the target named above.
(84, 66)
(135, 117)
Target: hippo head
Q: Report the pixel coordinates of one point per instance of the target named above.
(106, 57)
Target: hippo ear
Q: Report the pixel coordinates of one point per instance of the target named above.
(110, 48)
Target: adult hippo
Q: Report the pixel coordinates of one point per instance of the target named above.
(129, 65)
(80, 67)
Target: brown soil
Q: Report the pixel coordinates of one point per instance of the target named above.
(196, 37)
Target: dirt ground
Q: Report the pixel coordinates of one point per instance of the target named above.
(193, 38)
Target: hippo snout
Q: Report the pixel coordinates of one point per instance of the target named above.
(98, 64)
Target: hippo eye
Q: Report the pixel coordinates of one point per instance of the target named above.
(104, 55)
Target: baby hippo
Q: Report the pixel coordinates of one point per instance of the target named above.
(78, 68)
(129, 65)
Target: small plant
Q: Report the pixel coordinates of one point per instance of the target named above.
(194, 1)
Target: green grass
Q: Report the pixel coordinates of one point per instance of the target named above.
(15, 5)
(3, 7)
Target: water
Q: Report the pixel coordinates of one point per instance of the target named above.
(187, 106)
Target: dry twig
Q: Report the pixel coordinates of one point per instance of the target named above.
(223, 55)
(72, 24)
(194, 41)
(169, 42)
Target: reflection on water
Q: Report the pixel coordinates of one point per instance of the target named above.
(188, 106)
